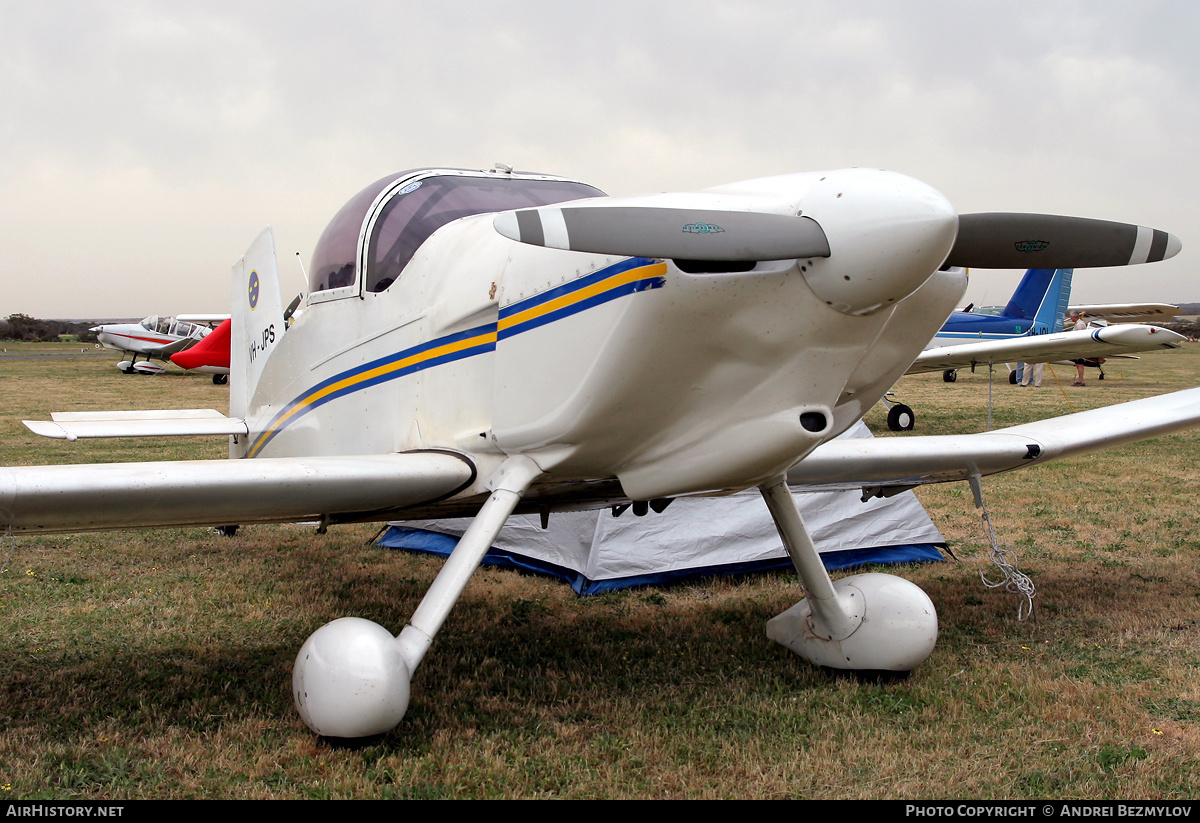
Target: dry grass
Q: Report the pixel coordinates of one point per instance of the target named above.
(157, 664)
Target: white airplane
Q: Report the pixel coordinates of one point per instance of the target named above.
(483, 343)
(1030, 329)
(155, 337)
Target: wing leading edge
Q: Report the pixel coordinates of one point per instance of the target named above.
(913, 461)
(71, 498)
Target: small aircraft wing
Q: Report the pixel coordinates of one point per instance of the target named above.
(206, 319)
(1126, 312)
(98, 496)
(167, 349)
(160, 423)
(884, 462)
(1109, 341)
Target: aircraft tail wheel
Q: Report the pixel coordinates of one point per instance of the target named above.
(1012, 378)
(897, 632)
(949, 375)
(350, 680)
(220, 379)
(901, 418)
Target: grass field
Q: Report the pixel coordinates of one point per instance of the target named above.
(157, 664)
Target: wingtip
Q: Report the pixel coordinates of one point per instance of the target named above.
(46, 428)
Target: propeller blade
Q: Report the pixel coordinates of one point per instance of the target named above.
(997, 240)
(652, 231)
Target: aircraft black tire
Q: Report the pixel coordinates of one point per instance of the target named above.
(949, 375)
(226, 531)
(1012, 378)
(901, 418)
(220, 379)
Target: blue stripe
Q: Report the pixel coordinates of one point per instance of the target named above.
(269, 432)
(574, 285)
(582, 305)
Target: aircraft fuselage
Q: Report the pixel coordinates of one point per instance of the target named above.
(600, 366)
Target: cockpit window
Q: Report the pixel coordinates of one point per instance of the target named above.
(422, 207)
(336, 252)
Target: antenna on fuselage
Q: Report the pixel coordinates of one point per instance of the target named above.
(303, 271)
(295, 304)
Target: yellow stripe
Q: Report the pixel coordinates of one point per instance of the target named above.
(640, 273)
(430, 354)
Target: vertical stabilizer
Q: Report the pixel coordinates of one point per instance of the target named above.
(257, 316)
(1060, 288)
(1041, 297)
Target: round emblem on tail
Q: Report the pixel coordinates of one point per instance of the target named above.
(253, 290)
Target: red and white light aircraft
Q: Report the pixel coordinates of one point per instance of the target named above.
(479, 343)
(155, 337)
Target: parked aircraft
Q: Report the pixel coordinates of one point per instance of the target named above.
(1030, 329)
(483, 343)
(154, 337)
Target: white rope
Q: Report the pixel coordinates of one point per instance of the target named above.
(1015, 581)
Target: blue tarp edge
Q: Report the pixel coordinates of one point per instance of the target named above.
(430, 542)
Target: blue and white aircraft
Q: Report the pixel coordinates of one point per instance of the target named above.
(1038, 306)
(1029, 329)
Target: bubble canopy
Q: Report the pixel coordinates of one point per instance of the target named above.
(402, 210)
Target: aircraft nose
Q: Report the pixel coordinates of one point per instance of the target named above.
(887, 234)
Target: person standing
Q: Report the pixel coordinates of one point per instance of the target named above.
(1032, 375)
(1078, 325)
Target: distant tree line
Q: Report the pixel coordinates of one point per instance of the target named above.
(28, 329)
(1185, 326)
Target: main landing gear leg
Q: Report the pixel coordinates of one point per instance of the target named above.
(351, 678)
(866, 622)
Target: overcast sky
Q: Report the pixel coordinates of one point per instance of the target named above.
(143, 145)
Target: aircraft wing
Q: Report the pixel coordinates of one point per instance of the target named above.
(161, 423)
(1108, 341)
(207, 319)
(880, 463)
(271, 490)
(167, 349)
(71, 498)
(1127, 312)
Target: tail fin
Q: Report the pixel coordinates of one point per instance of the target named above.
(1041, 297)
(257, 320)
(210, 355)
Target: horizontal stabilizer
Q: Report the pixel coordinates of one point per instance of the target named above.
(999, 240)
(914, 461)
(667, 232)
(1108, 341)
(103, 496)
(153, 423)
